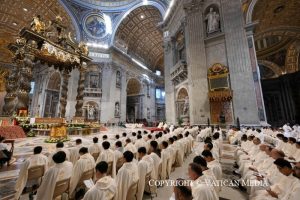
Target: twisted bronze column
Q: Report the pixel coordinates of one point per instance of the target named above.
(25, 77)
(11, 89)
(80, 91)
(64, 93)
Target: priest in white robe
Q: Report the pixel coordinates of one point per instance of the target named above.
(140, 142)
(129, 146)
(213, 164)
(59, 147)
(95, 147)
(200, 190)
(145, 166)
(62, 170)
(85, 163)
(279, 189)
(165, 157)
(37, 159)
(74, 151)
(127, 176)
(105, 187)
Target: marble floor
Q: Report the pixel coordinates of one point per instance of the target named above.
(24, 147)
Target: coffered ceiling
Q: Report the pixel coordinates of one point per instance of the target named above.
(140, 33)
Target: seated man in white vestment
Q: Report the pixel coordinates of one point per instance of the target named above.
(127, 176)
(59, 147)
(85, 163)
(62, 170)
(279, 189)
(74, 151)
(140, 142)
(200, 189)
(213, 164)
(208, 175)
(129, 146)
(37, 159)
(296, 155)
(145, 166)
(95, 147)
(105, 187)
(107, 154)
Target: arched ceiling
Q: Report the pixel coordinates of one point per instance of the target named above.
(276, 13)
(16, 14)
(276, 35)
(133, 87)
(140, 33)
(108, 3)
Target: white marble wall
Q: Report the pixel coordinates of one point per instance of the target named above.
(229, 48)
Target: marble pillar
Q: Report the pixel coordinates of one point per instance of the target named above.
(239, 63)
(80, 91)
(196, 61)
(169, 87)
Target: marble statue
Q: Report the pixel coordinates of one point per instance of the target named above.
(213, 21)
(117, 109)
(186, 105)
(91, 113)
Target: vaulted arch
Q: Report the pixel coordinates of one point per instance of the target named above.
(141, 37)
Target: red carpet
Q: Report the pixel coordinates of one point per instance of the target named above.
(12, 132)
(154, 129)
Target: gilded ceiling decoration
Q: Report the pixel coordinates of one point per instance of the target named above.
(16, 14)
(276, 13)
(143, 39)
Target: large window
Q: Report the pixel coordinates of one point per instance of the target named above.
(159, 93)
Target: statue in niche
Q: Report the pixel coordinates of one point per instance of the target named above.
(213, 21)
(91, 112)
(94, 79)
(117, 109)
(186, 105)
(118, 79)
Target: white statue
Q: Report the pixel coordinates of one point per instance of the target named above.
(213, 21)
(117, 110)
(92, 113)
(186, 105)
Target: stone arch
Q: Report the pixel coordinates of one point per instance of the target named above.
(182, 92)
(274, 67)
(134, 86)
(250, 11)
